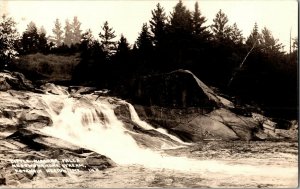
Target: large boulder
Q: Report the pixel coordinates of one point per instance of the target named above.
(181, 103)
(35, 115)
(195, 125)
(244, 127)
(98, 161)
(14, 80)
(180, 88)
(207, 128)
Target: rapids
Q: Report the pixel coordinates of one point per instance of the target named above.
(89, 121)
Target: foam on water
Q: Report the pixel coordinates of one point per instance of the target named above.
(135, 118)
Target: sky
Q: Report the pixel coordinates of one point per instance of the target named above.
(127, 16)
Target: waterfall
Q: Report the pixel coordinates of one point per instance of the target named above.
(92, 124)
(135, 118)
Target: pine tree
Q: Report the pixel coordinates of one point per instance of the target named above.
(87, 42)
(268, 43)
(76, 31)
(198, 21)
(236, 35)
(122, 57)
(158, 24)
(68, 39)
(200, 31)
(123, 46)
(43, 41)
(30, 39)
(58, 33)
(220, 28)
(295, 44)
(144, 42)
(8, 36)
(42, 30)
(106, 39)
(293, 56)
(254, 37)
(87, 38)
(181, 19)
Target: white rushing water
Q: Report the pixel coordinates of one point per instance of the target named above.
(92, 124)
(135, 118)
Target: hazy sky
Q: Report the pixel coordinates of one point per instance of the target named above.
(127, 16)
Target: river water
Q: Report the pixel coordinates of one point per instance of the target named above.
(91, 122)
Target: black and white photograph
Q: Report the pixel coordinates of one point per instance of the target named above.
(149, 94)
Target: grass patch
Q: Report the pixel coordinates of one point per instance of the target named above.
(51, 68)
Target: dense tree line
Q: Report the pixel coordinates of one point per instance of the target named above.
(254, 68)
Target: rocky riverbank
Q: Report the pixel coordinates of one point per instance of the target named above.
(218, 133)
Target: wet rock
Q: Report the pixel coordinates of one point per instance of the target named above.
(81, 89)
(4, 86)
(7, 113)
(2, 181)
(168, 117)
(12, 183)
(54, 89)
(122, 111)
(10, 102)
(36, 116)
(55, 106)
(27, 137)
(244, 127)
(14, 80)
(288, 134)
(204, 127)
(195, 124)
(26, 84)
(99, 161)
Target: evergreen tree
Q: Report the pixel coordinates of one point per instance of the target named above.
(43, 42)
(87, 39)
(236, 35)
(180, 35)
(293, 56)
(268, 43)
(198, 21)
(87, 44)
(254, 37)
(68, 39)
(144, 42)
(106, 39)
(181, 19)
(91, 48)
(220, 28)
(58, 33)
(92, 59)
(76, 30)
(295, 44)
(42, 30)
(8, 36)
(122, 63)
(158, 24)
(123, 47)
(30, 39)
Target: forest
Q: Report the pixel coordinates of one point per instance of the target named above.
(250, 69)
